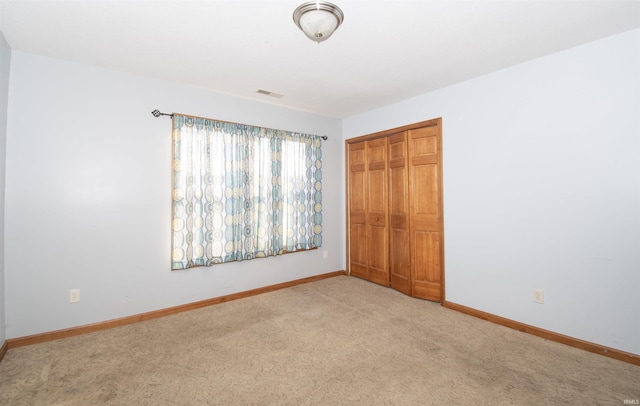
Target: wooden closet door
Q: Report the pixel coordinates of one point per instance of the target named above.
(399, 246)
(425, 166)
(358, 252)
(377, 201)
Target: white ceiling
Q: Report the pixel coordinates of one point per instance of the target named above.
(385, 51)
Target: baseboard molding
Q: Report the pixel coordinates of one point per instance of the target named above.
(549, 335)
(3, 350)
(90, 328)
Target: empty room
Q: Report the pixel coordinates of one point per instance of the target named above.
(314, 203)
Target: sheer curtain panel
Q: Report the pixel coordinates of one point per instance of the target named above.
(242, 192)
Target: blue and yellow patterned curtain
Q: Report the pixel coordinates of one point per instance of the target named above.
(242, 192)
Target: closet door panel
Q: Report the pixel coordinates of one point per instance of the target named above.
(358, 229)
(378, 267)
(399, 244)
(376, 157)
(358, 254)
(425, 176)
(427, 276)
(400, 261)
(358, 192)
(426, 212)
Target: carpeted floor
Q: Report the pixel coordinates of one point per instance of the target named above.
(339, 341)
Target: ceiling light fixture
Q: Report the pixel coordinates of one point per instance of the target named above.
(318, 19)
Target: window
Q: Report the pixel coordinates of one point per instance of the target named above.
(242, 192)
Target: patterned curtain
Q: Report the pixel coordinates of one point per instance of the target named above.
(242, 192)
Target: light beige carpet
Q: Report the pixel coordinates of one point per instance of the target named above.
(340, 341)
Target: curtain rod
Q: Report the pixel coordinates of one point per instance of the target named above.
(157, 113)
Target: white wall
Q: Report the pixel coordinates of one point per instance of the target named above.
(542, 189)
(88, 196)
(5, 61)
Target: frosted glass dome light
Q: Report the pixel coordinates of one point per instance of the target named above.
(318, 19)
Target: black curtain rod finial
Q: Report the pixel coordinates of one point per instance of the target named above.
(324, 137)
(157, 113)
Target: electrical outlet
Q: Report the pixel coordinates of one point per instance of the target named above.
(538, 296)
(325, 254)
(74, 296)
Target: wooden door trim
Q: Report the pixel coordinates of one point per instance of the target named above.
(443, 296)
(391, 131)
(347, 185)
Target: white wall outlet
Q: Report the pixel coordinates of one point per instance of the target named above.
(74, 296)
(538, 296)
(325, 254)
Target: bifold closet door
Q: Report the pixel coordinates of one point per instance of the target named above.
(377, 211)
(395, 209)
(358, 240)
(368, 194)
(399, 242)
(425, 188)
